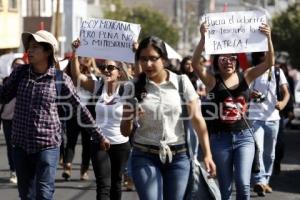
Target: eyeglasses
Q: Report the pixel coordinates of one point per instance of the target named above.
(145, 59)
(224, 59)
(109, 68)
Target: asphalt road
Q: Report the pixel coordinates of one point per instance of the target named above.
(286, 186)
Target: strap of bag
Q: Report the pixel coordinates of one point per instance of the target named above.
(277, 78)
(58, 82)
(184, 116)
(62, 110)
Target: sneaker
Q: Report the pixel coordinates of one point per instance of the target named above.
(67, 171)
(13, 178)
(268, 188)
(84, 176)
(260, 190)
(128, 183)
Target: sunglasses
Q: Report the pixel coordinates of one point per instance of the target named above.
(109, 68)
(225, 59)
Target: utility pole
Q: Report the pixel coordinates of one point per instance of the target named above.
(57, 18)
(179, 22)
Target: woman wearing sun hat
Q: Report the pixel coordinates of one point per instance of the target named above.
(36, 129)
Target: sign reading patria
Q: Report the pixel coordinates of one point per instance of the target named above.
(235, 32)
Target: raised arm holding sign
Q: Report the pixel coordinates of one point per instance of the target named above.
(250, 74)
(229, 91)
(107, 104)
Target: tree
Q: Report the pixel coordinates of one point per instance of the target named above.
(152, 22)
(285, 33)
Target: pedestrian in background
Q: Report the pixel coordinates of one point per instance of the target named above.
(264, 110)
(36, 128)
(7, 113)
(73, 128)
(286, 117)
(160, 164)
(231, 137)
(186, 68)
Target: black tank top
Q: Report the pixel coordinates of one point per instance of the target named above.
(229, 105)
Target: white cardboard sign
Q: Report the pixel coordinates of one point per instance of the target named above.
(108, 39)
(235, 32)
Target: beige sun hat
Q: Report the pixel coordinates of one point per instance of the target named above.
(41, 36)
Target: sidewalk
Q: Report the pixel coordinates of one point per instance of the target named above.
(286, 186)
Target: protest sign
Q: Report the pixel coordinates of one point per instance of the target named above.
(108, 39)
(235, 32)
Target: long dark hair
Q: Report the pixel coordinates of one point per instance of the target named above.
(160, 48)
(182, 64)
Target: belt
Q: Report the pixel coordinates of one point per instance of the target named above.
(155, 149)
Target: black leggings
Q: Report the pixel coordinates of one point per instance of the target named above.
(108, 168)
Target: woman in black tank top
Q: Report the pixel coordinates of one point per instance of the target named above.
(230, 136)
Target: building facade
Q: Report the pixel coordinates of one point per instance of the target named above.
(11, 25)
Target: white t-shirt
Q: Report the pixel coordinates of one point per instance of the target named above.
(162, 110)
(266, 110)
(109, 111)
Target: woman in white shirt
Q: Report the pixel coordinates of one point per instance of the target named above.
(108, 165)
(160, 164)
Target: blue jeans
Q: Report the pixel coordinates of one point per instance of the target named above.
(36, 173)
(265, 133)
(233, 153)
(7, 126)
(155, 180)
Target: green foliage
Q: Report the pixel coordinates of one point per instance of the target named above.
(152, 22)
(286, 33)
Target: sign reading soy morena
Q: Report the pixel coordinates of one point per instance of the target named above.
(235, 32)
(108, 39)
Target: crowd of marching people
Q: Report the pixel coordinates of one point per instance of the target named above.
(129, 117)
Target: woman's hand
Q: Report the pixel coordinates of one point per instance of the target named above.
(210, 166)
(135, 46)
(75, 44)
(203, 29)
(104, 144)
(265, 29)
